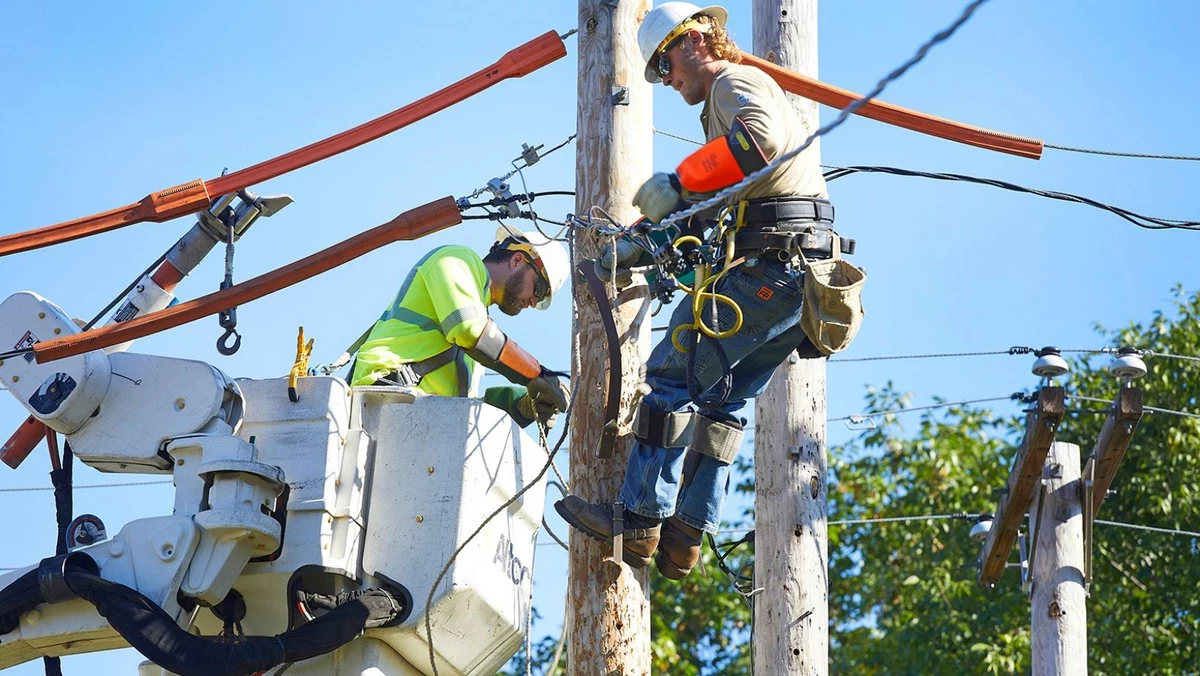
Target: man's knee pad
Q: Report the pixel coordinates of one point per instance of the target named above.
(667, 430)
(717, 438)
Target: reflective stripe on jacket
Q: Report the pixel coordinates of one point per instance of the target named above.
(442, 303)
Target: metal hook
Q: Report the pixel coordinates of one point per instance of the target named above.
(228, 350)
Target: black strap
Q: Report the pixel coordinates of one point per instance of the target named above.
(777, 209)
(817, 243)
(63, 508)
(426, 366)
(612, 406)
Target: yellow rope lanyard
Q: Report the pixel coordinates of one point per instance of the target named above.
(706, 280)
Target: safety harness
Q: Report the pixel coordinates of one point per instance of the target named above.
(410, 374)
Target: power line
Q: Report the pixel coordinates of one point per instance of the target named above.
(1015, 350)
(1009, 351)
(1167, 531)
(863, 417)
(973, 515)
(117, 485)
(1151, 409)
(676, 136)
(1114, 153)
(849, 110)
(1140, 220)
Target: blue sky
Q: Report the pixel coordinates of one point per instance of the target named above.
(105, 103)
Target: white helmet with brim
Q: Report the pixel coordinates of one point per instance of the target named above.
(669, 21)
(551, 256)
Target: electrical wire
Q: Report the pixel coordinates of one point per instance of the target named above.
(120, 296)
(1140, 220)
(1152, 529)
(1010, 351)
(973, 515)
(754, 177)
(1114, 153)
(449, 562)
(117, 485)
(675, 136)
(1151, 409)
(1015, 350)
(862, 417)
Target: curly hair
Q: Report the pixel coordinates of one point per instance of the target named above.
(719, 43)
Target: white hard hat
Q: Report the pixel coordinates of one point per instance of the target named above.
(553, 256)
(665, 23)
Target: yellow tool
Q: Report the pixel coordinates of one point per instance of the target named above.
(300, 368)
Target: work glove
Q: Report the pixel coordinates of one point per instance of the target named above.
(549, 390)
(659, 196)
(614, 263)
(541, 410)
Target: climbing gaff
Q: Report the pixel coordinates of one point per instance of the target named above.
(410, 225)
(196, 195)
(839, 98)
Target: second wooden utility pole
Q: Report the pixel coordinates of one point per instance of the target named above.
(608, 604)
(1058, 608)
(791, 618)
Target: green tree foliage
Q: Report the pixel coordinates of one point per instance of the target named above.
(904, 598)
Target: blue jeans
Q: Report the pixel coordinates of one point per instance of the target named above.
(770, 300)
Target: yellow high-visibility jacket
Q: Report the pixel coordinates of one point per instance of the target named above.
(442, 303)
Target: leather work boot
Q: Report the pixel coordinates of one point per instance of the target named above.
(595, 521)
(678, 550)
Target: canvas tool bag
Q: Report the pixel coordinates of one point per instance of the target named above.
(833, 310)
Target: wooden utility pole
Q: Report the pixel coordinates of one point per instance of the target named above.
(609, 607)
(1057, 604)
(791, 619)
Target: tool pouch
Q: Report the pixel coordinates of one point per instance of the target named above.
(833, 311)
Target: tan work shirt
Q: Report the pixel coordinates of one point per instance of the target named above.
(750, 94)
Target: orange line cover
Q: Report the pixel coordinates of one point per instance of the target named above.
(837, 97)
(196, 195)
(409, 225)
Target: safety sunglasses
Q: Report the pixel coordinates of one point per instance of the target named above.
(661, 65)
(541, 285)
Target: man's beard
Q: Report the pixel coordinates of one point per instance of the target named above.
(508, 295)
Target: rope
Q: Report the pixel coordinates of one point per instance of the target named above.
(1114, 153)
(449, 562)
(721, 195)
(1140, 220)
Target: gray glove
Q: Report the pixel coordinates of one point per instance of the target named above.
(541, 410)
(615, 264)
(550, 391)
(659, 196)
